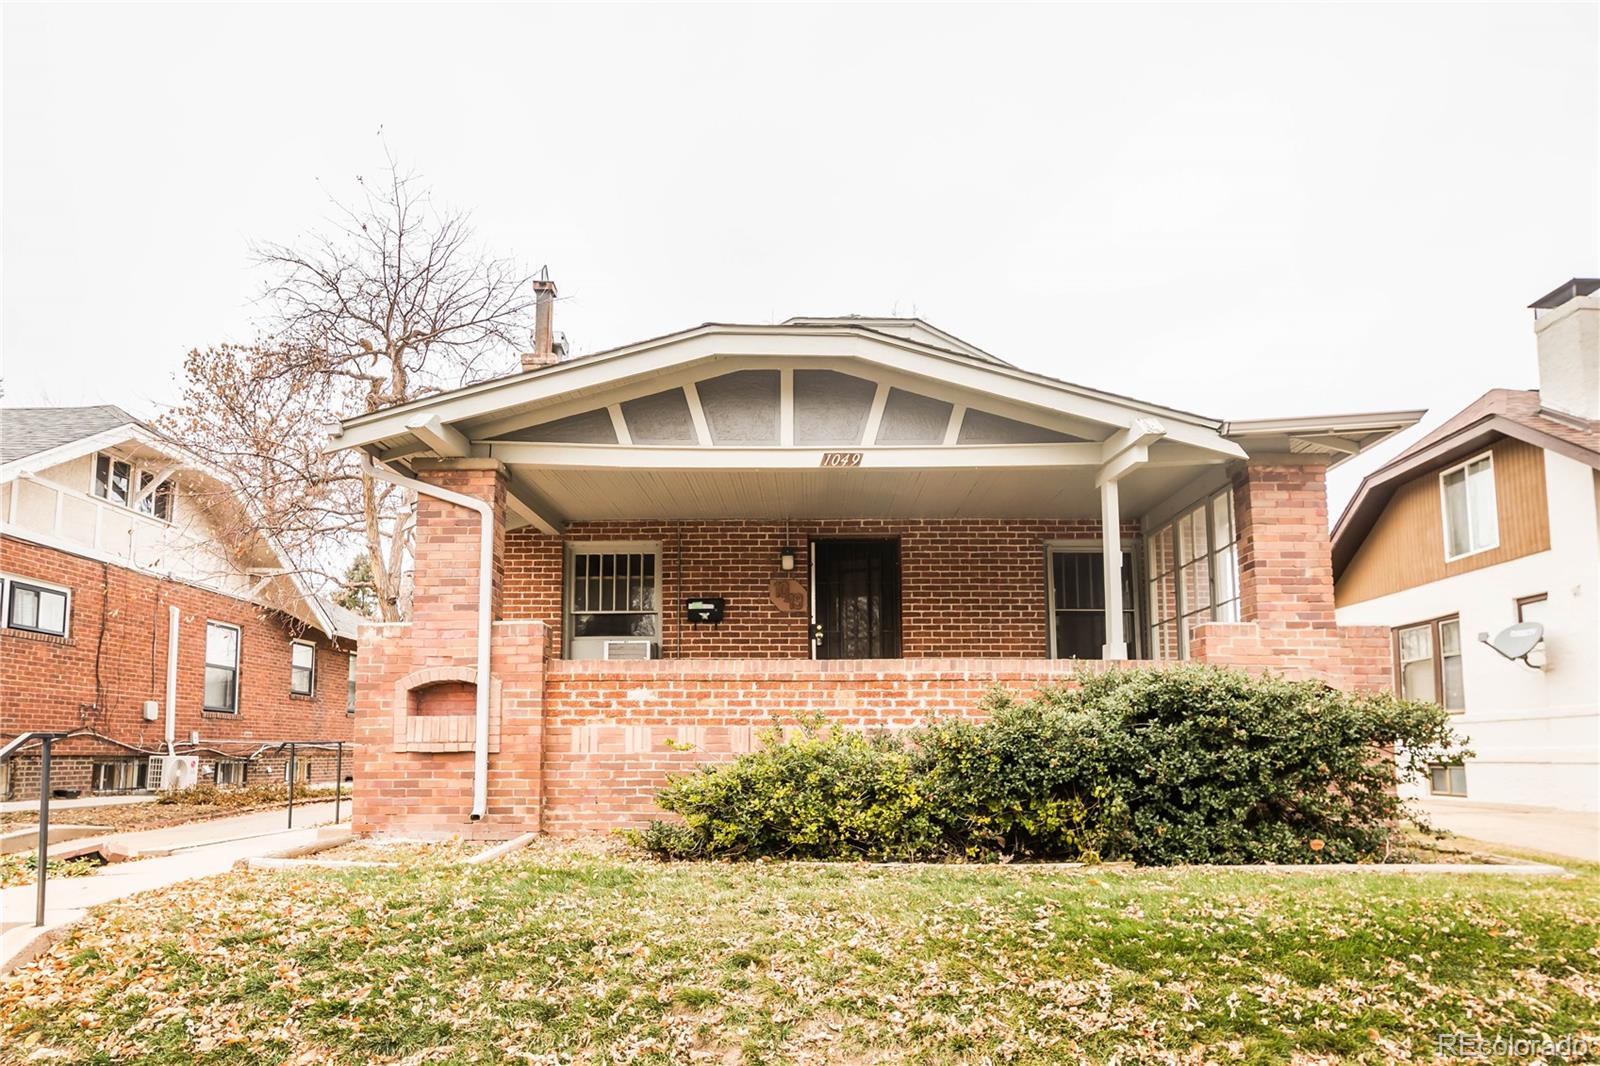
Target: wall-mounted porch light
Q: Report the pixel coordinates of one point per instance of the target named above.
(786, 558)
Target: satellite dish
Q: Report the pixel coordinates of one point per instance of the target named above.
(1516, 642)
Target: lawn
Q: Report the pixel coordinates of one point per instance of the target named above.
(588, 953)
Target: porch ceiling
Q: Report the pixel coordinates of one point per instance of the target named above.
(593, 495)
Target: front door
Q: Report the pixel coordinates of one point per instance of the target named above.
(855, 604)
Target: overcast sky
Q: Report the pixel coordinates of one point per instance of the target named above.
(1247, 211)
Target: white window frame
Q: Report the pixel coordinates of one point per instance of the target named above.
(311, 688)
(350, 686)
(8, 581)
(1094, 546)
(609, 547)
(136, 476)
(1210, 557)
(243, 766)
(238, 667)
(1444, 507)
(127, 767)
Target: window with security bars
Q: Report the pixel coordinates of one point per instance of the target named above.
(120, 775)
(230, 773)
(1193, 574)
(615, 594)
(1078, 604)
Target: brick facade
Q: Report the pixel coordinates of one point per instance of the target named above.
(968, 587)
(95, 680)
(582, 746)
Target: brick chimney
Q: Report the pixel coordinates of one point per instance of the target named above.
(545, 350)
(1567, 325)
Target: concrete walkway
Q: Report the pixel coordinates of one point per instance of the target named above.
(189, 851)
(1570, 834)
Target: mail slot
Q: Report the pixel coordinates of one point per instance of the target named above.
(705, 610)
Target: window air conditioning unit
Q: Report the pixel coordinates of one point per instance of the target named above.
(172, 773)
(628, 649)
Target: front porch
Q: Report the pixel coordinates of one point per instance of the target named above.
(695, 536)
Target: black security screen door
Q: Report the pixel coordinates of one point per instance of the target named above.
(857, 602)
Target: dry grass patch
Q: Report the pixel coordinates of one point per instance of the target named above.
(587, 953)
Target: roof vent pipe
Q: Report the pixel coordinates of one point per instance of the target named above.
(545, 350)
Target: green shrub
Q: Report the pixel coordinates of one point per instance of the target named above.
(1192, 764)
(818, 795)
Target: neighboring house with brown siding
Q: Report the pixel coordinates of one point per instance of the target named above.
(1491, 520)
(133, 620)
(864, 519)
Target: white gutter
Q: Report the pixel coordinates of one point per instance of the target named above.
(480, 749)
(173, 617)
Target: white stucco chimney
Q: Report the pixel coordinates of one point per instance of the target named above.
(1567, 325)
(546, 349)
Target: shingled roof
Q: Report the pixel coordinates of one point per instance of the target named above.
(1521, 406)
(26, 431)
(1498, 413)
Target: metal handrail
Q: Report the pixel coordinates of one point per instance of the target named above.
(41, 870)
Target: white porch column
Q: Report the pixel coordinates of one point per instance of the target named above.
(1116, 645)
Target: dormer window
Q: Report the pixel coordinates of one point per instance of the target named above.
(114, 480)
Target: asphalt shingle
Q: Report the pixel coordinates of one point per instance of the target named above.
(26, 431)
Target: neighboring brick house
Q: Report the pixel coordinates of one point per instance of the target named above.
(866, 519)
(1490, 521)
(108, 535)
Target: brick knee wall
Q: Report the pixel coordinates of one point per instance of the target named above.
(614, 732)
(1357, 658)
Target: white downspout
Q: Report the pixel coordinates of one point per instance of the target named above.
(173, 616)
(480, 748)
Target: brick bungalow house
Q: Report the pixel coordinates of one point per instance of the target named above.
(131, 621)
(651, 551)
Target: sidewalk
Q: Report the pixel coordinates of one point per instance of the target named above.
(1570, 834)
(200, 850)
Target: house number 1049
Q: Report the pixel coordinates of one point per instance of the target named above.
(841, 459)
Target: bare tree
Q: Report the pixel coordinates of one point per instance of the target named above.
(394, 300)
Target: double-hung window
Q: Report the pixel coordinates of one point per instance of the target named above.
(1471, 524)
(1193, 574)
(222, 667)
(1428, 656)
(35, 607)
(302, 668)
(350, 685)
